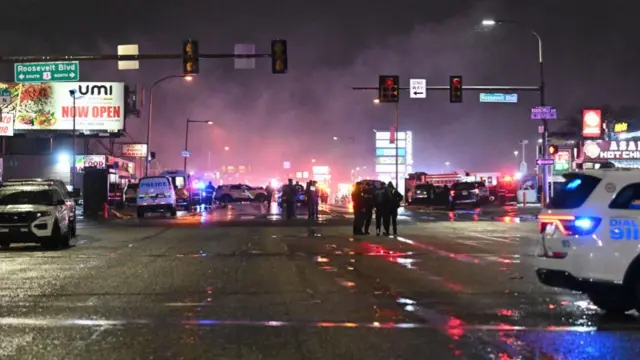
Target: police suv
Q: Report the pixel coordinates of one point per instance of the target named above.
(34, 213)
(590, 238)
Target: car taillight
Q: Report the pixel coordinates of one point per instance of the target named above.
(453, 193)
(570, 225)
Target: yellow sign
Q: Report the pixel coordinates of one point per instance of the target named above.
(620, 127)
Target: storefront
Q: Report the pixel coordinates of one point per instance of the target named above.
(121, 171)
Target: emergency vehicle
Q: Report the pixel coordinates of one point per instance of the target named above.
(589, 238)
(435, 179)
(181, 182)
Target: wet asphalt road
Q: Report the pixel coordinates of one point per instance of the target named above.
(228, 285)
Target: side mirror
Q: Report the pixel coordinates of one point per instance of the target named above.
(61, 202)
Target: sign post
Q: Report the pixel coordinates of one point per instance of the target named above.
(418, 88)
(544, 162)
(47, 72)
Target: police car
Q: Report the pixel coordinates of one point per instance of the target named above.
(590, 238)
(34, 213)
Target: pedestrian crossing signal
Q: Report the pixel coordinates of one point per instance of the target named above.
(455, 89)
(190, 58)
(388, 88)
(279, 60)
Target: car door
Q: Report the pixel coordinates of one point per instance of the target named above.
(62, 211)
(247, 192)
(69, 200)
(236, 192)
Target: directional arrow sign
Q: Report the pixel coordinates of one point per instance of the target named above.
(418, 88)
(544, 162)
(47, 72)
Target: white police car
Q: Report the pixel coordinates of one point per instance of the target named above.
(590, 238)
(34, 213)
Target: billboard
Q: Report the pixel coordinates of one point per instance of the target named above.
(134, 150)
(99, 107)
(98, 161)
(611, 150)
(592, 123)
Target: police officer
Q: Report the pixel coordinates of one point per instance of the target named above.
(209, 190)
(289, 195)
(269, 190)
(316, 199)
(383, 213)
(369, 203)
(357, 200)
(396, 200)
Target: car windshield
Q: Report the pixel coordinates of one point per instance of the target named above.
(464, 186)
(26, 196)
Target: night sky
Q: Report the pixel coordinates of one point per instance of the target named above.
(591, 50)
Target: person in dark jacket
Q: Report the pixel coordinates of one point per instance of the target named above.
(368, 205)
(383, 212)
(396, 200)
(357, 200)
(311, 193)
(289, 195)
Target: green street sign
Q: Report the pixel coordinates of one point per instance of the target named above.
(47, 72)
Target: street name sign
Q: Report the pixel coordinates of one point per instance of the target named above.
(47, 72)
(418, 88)
(544, 162)
(499, 98)
(5, 97)
(185, 153)
(543, 113)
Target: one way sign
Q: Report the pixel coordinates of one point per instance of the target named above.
(418, 88)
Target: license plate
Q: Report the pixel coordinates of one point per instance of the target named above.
(465, 192)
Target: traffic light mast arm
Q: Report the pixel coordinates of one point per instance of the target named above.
(103, 57)
(480, 88)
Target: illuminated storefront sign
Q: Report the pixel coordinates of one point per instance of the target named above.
(611, 150)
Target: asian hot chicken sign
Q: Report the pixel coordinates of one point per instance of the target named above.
(611, 150)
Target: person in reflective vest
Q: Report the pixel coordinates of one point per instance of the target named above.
(209, 190)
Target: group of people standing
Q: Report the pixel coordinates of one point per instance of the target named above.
(385, 199)
(290, 193)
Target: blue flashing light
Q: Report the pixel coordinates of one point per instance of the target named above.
(584, 223)
(573, 184)
(200, 185)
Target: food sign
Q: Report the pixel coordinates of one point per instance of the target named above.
(591, 123)
(611, 150)
(134, 150)
(561, 162)
(6, 125)
(97, 161)
(49, 106)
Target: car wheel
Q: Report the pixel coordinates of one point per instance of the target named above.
(5, 244)
(173, 212)
(140, 213)
(616, 301)
(261, 198)
(64, 241)
(53, 242)
(226, 198)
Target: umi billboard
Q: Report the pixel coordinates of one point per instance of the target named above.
(99, 107)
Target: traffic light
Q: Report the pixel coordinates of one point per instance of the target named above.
(552, 150)
(190, 58)
(388, 88)
(279, 60)
(455, 89)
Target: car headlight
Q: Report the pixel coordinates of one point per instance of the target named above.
(42, 214)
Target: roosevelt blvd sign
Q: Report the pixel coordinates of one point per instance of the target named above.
(47, 72)
(544, 162)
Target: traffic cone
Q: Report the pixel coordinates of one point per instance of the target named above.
(105, 210)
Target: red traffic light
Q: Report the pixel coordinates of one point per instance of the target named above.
(389, 82)
(456, 82)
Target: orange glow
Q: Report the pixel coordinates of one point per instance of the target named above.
(188, 78)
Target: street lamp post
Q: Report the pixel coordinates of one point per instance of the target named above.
(545, 128)
(72, 92)
(150, 115)
(186, 139)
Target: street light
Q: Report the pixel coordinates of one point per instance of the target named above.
(150, 115)
(335, 138)
(376, 101)
(545, 134)
(313, 160)
(186, 139)
(226, 148)
(515, 152)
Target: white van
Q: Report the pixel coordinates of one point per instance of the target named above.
(156, 194)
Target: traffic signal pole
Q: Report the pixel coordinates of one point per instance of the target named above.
(397, 141)
(105, 57)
